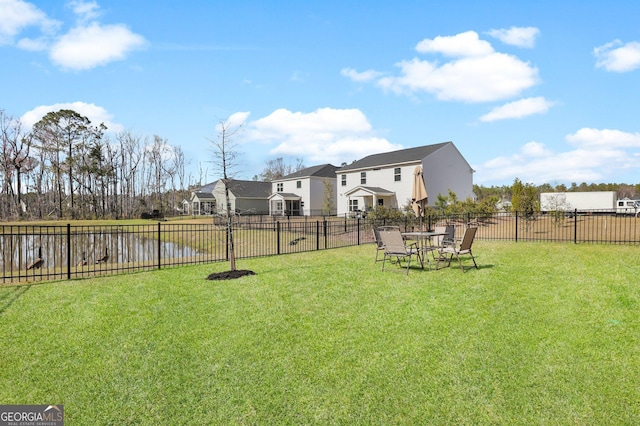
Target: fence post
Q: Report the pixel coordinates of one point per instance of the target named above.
(159, 248)
(325, 233)
(68, 251)
(358, 232)
(278, 236)
(226, 242)
(317, 235)
(516, 226)
(575, 226)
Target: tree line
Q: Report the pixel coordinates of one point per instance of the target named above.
(506, 192)
(66, 167)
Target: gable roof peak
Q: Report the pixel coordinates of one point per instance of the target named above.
(322, 170)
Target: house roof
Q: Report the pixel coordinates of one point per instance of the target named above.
(394, 157)
(241, 188)
(249, 188)
(323, 170)
(208, 187)
(203, 196)
(373, 190)
(285, 196)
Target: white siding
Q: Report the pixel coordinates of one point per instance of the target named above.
(383, 177)
(317, 195)
(444, 170)
(311, 192)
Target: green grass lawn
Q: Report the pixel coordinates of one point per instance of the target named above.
(540, 334)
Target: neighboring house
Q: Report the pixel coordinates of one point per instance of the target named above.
(202, 202)
(245, 196)
(387, 179)
(310, 191)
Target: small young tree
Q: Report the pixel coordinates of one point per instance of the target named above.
(328, 204)
(557, 205)
(278, 168)
(226, 155)
(525, 200)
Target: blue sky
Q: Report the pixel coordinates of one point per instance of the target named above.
(545, 91)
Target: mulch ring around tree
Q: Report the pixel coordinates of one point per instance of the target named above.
(230, 275)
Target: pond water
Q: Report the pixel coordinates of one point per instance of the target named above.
(19, 251)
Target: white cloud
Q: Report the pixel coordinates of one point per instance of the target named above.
(516, 36)
(536, 149)
(597, 155)
(460, 45)
(476, 74)
(518, 109)
(85, 11)
(326, 135)
(604, 138)
(17, 15)
(234, 121)
(96, 114)
(618, 57)
(474, 79)
(34, 45)
(363, 76)
(88, 47)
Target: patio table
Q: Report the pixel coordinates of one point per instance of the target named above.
(424, 240)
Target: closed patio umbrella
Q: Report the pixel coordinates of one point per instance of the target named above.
(419, 195)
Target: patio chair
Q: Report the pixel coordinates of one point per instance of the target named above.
(378, 240)
(463, 249)
(441, 241)
(395, 246)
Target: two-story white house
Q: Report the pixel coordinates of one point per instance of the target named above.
(387, 179)
(307, 192)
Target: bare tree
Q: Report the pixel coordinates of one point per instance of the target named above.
(225, 154)
(557, 205)
(279, 168)
(16, 160)
(131, 156)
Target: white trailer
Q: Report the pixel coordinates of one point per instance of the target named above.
(604, 201)
(628, 206)
(592, 202)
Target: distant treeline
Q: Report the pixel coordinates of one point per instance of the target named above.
(505, 192)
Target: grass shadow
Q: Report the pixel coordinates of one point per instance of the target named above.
(9, 298)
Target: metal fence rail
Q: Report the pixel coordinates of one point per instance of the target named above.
(38, 253)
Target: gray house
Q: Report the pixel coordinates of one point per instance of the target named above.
(387, 179)
(245, 196)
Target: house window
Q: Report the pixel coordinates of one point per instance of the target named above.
(344, 180)
(396, 174)
(380, 202)
(299, 184)
(363, 178)
(353, 205)
(279, 187)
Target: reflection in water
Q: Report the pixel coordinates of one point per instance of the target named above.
(18, 250)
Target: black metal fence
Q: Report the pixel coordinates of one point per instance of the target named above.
(37, 253)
